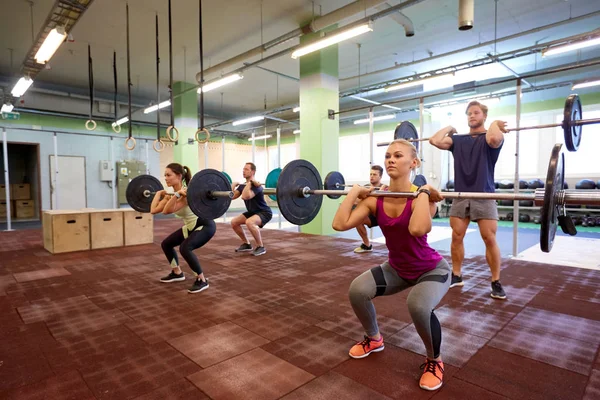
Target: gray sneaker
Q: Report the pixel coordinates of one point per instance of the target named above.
(244, 248)
(497, 291)
(259, 251)
(456, 281)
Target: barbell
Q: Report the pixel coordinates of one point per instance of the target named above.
(572, 126)
(300, 194)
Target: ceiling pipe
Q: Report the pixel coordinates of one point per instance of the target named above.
(318, 24)
(475, 46)
(466, 14)
(407, 24)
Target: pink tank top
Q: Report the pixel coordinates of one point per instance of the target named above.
(410, 256)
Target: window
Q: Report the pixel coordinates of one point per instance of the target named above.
(584, 162)
(529, 153)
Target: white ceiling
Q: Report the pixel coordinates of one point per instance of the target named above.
(234, 26)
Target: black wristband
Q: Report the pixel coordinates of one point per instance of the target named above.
(423, 191)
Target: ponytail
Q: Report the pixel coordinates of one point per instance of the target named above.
(186, 175)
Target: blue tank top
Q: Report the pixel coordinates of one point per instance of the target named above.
(410, 256)
(474, 162)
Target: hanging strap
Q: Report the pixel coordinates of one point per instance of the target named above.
(172, 126)
(90, 124)
(201, 104)
(116, 128)
(130, 142)
(158, 144)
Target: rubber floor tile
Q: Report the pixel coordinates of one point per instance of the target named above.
(217, 343)
(472, 321)
(457, 389)
(334, 386)
(183, 389)
(393, 372)
(22, 367)
(592, 391)
(69, 386)
(560, 351)
(559, 324)
(50, 310)
(138, 373)
(349, 326)
(231, 307)
(479, 297)
(85, 323)
(313, 349)
(275, 323)
(519, 377)
(40, 274)
(566, 304)
(255, 375)
(169, 326)
(457, 347)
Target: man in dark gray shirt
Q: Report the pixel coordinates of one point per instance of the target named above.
(475, 157)
(258, 212)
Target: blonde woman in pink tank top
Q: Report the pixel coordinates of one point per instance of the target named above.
(411, 263)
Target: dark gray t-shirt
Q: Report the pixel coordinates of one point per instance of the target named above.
(474, 162)
(257, 203)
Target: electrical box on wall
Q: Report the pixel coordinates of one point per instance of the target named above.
(126, 171)
(106, 171)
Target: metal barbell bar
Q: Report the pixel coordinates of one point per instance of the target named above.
(572, 126)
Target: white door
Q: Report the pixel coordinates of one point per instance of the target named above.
(68, 184)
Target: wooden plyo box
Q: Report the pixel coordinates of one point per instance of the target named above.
(138, 227)
(106, 228)
(66, 231)
(25, 208)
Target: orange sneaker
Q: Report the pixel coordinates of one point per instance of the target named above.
(433, 375)
(366, 347)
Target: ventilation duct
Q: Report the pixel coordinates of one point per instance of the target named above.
(466, 14)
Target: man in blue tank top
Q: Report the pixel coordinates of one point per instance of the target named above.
(475, 156)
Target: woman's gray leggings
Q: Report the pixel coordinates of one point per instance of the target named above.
(427, 292)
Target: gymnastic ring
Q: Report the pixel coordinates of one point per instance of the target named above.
(160, 147)
(87, 124)
(131, 138)
(169, 129)
(200, 130)
(116, 128)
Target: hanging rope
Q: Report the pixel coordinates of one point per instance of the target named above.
(158, 144)
(90, 124)
(130, 142)
(172, 126)
(201, 104)
(116, 128)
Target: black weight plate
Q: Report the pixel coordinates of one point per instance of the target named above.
(198, 198)
(135, 192)
(549, 213)
(406, 130)
(572, 113)
(294, 207)
(333, 180)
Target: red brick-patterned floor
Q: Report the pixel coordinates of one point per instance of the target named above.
(99, 325)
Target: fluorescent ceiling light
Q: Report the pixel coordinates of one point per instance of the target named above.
(416, 82)
(50, 45)
(220, 82)
(297, 131)
(21, 86)
(120, 122)
(296, 109)
(570, 47)
(582, 85)
(260, 137)
(329, 40)
(7, 107)
(155, 107)
(379, 118)
(247, 120)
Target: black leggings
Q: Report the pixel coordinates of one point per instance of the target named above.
(195, 240)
